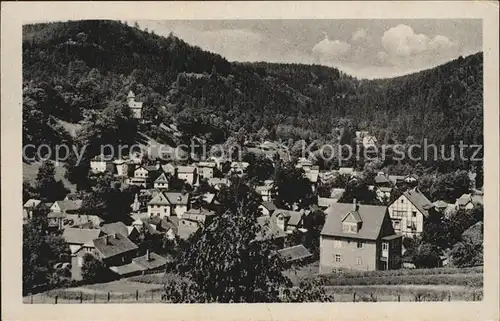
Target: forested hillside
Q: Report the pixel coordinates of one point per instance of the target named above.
(73, 71)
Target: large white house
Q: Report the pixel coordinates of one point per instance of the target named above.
(408, 212)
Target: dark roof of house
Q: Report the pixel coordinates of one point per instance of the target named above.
(159, 199)
(270, 206)
(112, 228)
(155, 261)
(371, 215)
(294, 253)
(80, 235)
(116, 244)
(392, 237)
(177, 198)
(418, 199)
(294, 217)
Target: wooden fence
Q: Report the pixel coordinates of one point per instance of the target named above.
(157, 296)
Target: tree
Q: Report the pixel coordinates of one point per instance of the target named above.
(29, 191)
(435, 230)
(358, 189)
(467, 253)
(47, 187)
(260, 168)
(426, 256)
(94, 270)
(107, 200)
(313, 223)
(291, 187)
(41, 251)
(247, 269)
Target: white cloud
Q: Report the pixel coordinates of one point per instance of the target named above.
(330, 50)
(359, 34)
(403, 46)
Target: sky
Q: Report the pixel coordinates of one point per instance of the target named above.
(361, 48)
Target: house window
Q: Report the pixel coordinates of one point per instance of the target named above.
(414, 214)
(385, 246)
(359, 261)
(354, 229)
(360, 245)
(337, 257)
(402, 200)
(337, 243)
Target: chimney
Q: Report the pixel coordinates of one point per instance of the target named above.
(354, 205)
(148, 256)
(106, 240)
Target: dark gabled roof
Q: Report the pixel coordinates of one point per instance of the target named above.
(270, 206)
(177, 198)
(159, 199)
(294, 253)
(418, 199)
(294, 217)
(80, 235)
(116, 244)
(112, 228)
(371, 215)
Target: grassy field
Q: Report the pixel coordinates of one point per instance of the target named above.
(440, 284)
(30, 171)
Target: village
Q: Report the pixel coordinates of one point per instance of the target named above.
(355, 236)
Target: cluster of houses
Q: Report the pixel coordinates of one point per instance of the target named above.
(355, 236)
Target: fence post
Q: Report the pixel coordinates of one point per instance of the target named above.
(399, 297)
(81, 297)
(449, 296)
(137, 295)
(31, 298)
(56, 300)
(94, 297)
(473, 296)
(152, 294)
(354, 297)
(108, 296)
